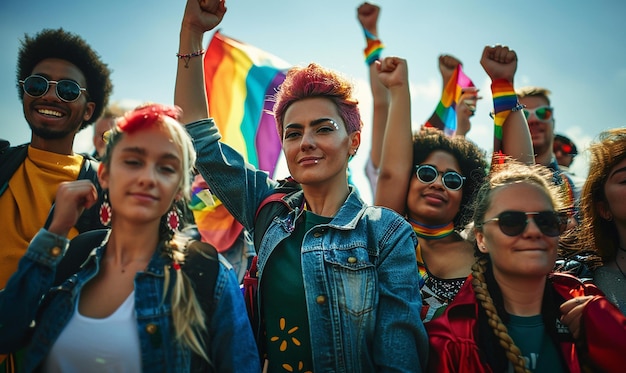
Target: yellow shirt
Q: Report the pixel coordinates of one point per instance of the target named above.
(26, 203)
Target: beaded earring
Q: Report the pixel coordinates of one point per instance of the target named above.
(105, 209)
(173, 219)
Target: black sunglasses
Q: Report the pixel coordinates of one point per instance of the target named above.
(513, 223)
(37, 86)
(427, 174)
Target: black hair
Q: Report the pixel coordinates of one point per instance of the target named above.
(471, 159)
(58, 43)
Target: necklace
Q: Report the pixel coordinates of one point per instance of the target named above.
(431, 231)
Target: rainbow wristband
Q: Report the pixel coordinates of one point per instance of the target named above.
(504, 101)
(373, 49)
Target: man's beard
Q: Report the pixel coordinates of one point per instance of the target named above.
(49, 134)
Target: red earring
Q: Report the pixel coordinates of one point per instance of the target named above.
(173, 220)
(105, 210)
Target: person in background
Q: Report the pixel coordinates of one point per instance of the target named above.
(336, 277)
(603, 206)
(105, 123)
(513, 313)
(540, 117)
(564, 151)
(63, 86)
(431, 179)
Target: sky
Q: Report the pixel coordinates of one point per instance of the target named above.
(575, 48)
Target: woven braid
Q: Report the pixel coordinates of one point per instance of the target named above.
(513, 352)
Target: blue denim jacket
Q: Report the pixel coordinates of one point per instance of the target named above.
(364, 314)
(231, 347)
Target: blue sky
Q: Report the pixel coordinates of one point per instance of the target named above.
(575, 48)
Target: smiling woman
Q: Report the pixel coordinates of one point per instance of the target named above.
(514, 310)
(327, 263)
(136, 280)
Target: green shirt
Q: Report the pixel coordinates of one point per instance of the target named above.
(537, 348)
(285, 316)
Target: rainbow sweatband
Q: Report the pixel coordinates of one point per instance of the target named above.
(374, 48)
(504, 99)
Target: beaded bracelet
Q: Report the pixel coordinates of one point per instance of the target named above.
(518, 107)
(188, 56)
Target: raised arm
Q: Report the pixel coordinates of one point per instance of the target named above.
(500, 63)
(189, 92)
(367, 15)
(397, 154)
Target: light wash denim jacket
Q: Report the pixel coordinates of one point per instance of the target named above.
(364, 314)
(232, 346)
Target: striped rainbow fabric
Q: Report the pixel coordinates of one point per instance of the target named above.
(240, 82)
(444, 117)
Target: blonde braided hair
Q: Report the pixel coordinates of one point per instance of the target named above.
(511, 350)
(187, 315)
(510, 172)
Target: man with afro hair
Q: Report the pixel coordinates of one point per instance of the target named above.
(63, 86)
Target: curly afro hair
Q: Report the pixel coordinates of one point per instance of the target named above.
(471, 159)
(58, 43)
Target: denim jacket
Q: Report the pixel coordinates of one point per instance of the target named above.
(231, 348)
(359, 270)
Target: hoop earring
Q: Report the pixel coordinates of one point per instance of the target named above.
(105, 212)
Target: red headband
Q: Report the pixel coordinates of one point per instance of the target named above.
(146, 116)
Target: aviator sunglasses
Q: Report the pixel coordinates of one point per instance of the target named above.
(513, 223)
(543, 113)
(427, 174)
(37, 86)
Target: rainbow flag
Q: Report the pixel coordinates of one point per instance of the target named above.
(215, 224)
(240, 82)
(444, 116)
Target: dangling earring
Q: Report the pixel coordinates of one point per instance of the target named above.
(172, 219)
(105, 209)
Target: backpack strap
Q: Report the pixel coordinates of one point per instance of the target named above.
(10, 160)
(273, 205)
(202, 266)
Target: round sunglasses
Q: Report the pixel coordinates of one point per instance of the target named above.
(513, 223)
(37, 86)
(543, 113)
(427, 174)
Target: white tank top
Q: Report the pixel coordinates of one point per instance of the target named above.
(98, 345)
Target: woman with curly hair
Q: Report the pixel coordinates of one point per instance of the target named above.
(431, 178)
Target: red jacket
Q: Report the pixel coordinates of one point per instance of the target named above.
(453, 335)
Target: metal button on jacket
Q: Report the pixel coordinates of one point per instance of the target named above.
(151, 328)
